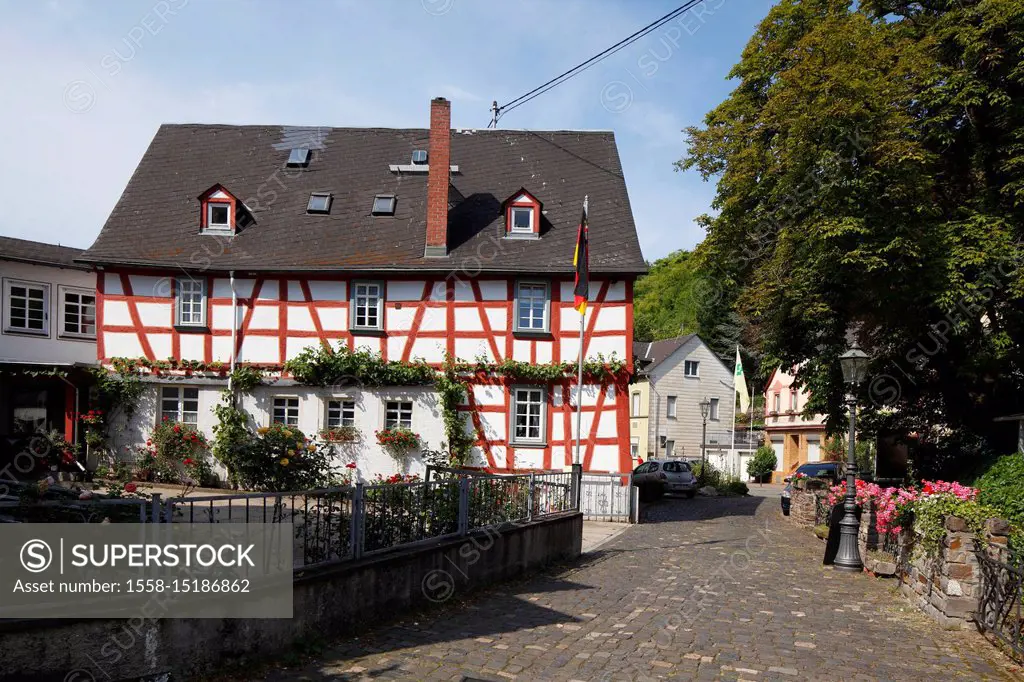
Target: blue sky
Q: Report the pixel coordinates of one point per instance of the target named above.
(87, 84)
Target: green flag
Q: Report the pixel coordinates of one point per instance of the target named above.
(740, 383)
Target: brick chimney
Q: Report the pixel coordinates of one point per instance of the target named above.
(439, 160)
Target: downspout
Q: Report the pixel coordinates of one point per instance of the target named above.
(234, 326)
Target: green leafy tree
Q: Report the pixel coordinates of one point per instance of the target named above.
(870, 167)
(762, 464)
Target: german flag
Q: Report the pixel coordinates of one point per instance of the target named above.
(581, 259)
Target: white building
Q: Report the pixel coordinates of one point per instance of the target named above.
(47, 340)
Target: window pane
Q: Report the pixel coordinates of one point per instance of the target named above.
(218, 214)
(521, 218)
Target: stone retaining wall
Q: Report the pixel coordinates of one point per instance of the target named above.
(947, 586)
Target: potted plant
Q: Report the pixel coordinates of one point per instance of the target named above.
(398, 441)
(339, 434)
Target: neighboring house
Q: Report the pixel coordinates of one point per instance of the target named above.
(248, 244)
(47, 341)
(796, 439)
(639, 415)
(675, 376)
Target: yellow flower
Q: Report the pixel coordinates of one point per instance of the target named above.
(311, 447)
(286, 433)
(284, 461)
(263, 430)
(291, 452)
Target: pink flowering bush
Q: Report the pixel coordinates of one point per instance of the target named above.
(894, 505)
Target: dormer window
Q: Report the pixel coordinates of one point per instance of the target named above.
(522, 216)
(220, 212)
(218, 216)
(522, 220)
(319, 202)
(419, 157)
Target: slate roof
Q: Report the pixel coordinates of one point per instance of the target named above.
(653, 353)
(25, 251)
(156, 220)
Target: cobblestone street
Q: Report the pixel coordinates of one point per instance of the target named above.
(706, 589)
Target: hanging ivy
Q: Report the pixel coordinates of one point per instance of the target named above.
(246, 377)
(324, 367)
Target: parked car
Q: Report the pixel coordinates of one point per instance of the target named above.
(656, 477)
(829, 471)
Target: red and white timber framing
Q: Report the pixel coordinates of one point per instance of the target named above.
(424, 318)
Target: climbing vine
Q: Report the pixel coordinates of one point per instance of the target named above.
(245, 378)
(325, 367)
(452, 389)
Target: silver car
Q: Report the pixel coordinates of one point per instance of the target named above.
(656, 477)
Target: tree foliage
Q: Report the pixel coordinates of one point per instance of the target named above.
(870, 167)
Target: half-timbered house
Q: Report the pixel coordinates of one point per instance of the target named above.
(247, 244)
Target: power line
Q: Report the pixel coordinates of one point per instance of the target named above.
(583, 66)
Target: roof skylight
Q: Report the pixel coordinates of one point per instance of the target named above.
(298, 157)
(383, 204)
(319, 202)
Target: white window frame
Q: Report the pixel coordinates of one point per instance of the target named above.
(635, 404)
(397, 407)
(179, 309)
(546, 321)
(670, 447)
(62, 305)
(45, 288)
(792, 400)
(218, 227)
(671, 403)
(634, 447)
(289, 403)
(354, 305)
(713, 409)
(541, 439)
(177, 394)
(777, 403)
(529, 229)
(687, 364)
(345, 405)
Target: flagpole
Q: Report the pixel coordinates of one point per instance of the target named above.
(732, 445)
(579, 380)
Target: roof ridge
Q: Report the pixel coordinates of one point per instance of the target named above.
(457, 129)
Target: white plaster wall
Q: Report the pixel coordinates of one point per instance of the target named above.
(51, 348)
(370, 458)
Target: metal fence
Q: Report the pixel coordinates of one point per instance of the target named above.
(609, 497)
(1002, 590)
(77, 511)
(339, 524)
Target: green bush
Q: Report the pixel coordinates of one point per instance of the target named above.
(1002, 487)
(711, 476)
(280, 458)
(762, 464)
(736, 488)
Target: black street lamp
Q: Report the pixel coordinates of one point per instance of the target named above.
(705, 411)
(854, 363)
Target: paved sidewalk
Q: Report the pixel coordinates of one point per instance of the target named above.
(596, 533)
(707, 589)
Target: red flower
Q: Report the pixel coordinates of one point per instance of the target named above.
(177, 428)
(149, 442)
(350, 465)
(130, 487)
(188, 461)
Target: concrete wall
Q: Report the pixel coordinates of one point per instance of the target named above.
(715, 380)
(332, 602)
(53, 347)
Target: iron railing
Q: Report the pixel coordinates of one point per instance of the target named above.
(1002, 591)
(340, 524)
(321, 519)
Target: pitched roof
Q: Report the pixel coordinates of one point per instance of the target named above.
(26, 251)
(156, 220)
(653, 353)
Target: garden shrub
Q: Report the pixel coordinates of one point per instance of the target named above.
(1002, 487)
(281, 458)
(177, 453)
(737, 488)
